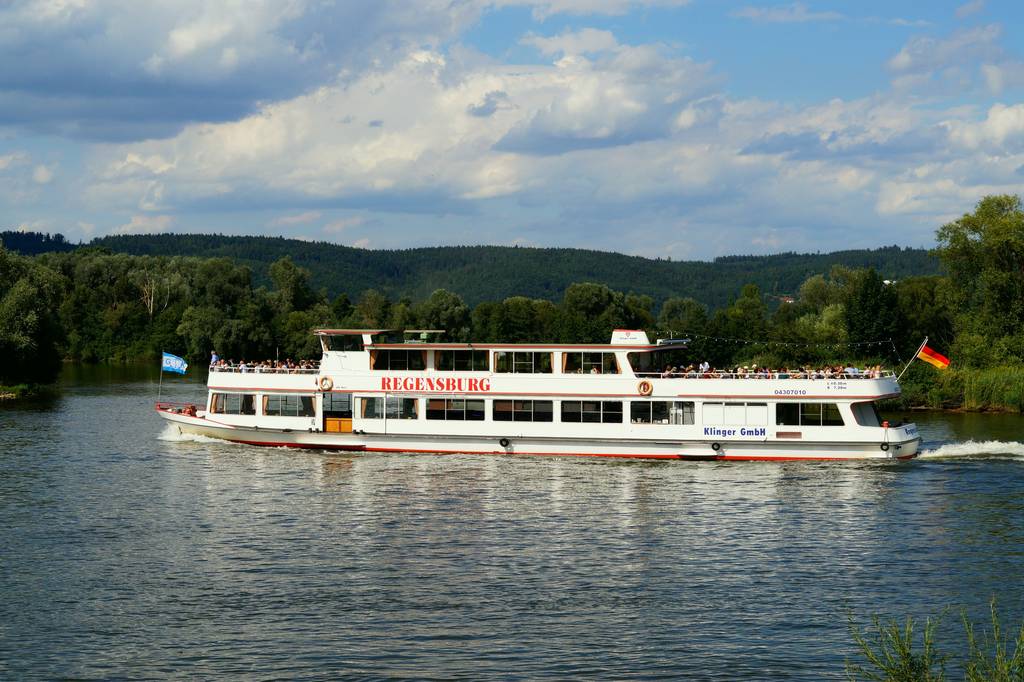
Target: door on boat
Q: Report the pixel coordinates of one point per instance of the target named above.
(337, 413)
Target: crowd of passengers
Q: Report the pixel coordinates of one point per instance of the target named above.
(705, 371)
(288, 366)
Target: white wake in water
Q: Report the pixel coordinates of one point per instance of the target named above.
(173, 435)
(972, 448)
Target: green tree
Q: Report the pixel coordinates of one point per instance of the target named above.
(291, 284)
(983, 252)
(872, 309)
(447, 311)
(30, 330)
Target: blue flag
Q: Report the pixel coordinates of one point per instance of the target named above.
(172, 363)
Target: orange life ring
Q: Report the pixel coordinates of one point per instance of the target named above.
(644, 388)
(326, 384)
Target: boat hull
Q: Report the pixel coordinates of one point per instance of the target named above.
(512, 444)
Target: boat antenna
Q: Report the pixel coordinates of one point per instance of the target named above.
(912, 358)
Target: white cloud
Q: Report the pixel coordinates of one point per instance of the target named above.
(969, 8)
(34, 226)
(573, 42)
(1001, 131)
(13, 160)
(924, 54)
(42, 175)
(361, 243)
(607, 145)
(543, 9)
(146, 224)
(297, 219)
(127, 70)
(796, 12)
(343, 224)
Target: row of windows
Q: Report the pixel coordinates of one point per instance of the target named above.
(273, 405)
(505, 362)
(572, 411)
(808, 414)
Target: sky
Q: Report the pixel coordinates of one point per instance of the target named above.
(682, 129)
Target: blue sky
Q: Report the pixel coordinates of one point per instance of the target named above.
(666, 128)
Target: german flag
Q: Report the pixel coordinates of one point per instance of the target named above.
(932, 358)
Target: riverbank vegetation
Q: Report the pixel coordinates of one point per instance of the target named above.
(93, 305)
(888, 651)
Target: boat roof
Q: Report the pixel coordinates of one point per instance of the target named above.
(523, 346)
(620, 344)
(352, 332)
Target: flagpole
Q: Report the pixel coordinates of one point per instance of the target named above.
(160, 385)
(913, 357)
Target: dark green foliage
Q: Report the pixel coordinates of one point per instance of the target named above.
(984, 254)
(492, 273)
(891, 656)
(30, 332)
(32, 243)
(872, 309)
(989, 659)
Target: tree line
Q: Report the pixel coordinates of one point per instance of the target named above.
(93, 305)
(491, 273)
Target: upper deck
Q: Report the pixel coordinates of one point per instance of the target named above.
(367, 361)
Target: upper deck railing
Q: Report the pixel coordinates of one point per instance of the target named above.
(258, 369)
(813, 374)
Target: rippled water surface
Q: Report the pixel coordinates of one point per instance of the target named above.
(125, 555)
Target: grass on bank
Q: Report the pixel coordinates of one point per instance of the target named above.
(890, 655)
(976, 390)
(24, 391)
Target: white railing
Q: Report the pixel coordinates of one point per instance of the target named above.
(882, 374)
(247, 369)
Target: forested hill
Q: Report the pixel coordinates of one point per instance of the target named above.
(492, 273)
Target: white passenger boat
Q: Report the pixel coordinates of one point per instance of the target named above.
(375, 391)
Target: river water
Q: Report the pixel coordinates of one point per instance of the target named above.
(125, 554)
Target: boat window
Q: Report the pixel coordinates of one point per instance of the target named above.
(830, 415)
(372, 408)
(757, 413)
(288, 406)
(402, 408)
(522, 410)
(736, 414)
(522, 362)
(592, 411)
(866, 414)
(461, 361)
(338, 405)
(346, 342)
(787, 414)
(455, 409)
(661, 412)
(398, 359)
(233, 403)
(653, 363)
(808, 414)
(589, 363)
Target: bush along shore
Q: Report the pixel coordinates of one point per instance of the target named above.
(25, 391)
(992, 389)
(887, 651)
(91, 305)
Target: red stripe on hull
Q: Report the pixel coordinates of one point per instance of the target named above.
(618, 455)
